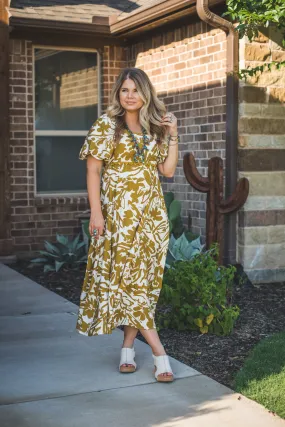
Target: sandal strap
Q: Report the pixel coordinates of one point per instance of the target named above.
(127, 356)
(162, 365)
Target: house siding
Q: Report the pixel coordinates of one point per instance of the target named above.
(261, 226)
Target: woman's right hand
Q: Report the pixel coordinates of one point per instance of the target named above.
(96, 222)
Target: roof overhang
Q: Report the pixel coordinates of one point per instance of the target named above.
(46, 31)
(104, 30)
(154, 17)
(101, 26)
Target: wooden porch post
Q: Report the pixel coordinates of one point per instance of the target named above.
(5, 226)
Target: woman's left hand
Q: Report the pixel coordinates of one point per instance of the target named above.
(170, 121)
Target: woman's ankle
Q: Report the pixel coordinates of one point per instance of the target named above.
(127, 345)
(158, 351)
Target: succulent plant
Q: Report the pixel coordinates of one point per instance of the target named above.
(64, 252)
(182, 249)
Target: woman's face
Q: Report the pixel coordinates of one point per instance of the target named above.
(129, 97)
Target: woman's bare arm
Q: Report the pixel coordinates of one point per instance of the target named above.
(94, 167)
(167, 168)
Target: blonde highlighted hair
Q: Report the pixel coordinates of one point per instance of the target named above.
(151, 111)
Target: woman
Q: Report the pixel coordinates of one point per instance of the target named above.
(129, 224)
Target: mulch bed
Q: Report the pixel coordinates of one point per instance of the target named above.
(262, 313)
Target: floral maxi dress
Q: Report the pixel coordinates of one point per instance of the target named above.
(125, 265)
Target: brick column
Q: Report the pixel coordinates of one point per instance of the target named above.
(5, 240)
(114, 59)
(261, 236)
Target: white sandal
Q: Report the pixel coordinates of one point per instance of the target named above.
(127, 357)
(161, 366)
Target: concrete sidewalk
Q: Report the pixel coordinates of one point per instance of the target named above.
(51, 376)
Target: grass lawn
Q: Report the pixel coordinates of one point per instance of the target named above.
(263, 376)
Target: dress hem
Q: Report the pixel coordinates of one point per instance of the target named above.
(111, 331)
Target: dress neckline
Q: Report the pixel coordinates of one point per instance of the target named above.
(139, 134)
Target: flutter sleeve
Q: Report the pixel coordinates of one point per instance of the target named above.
(162, 152)
(99, 140)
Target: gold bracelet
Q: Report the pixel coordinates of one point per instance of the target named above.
(174, 139)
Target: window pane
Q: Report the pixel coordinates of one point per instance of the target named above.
(58, 168)
(66, 89)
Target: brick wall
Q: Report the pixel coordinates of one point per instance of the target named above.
(35, 219)
(187, 68)
(261, 237)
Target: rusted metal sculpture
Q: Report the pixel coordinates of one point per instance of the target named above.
(217, 207)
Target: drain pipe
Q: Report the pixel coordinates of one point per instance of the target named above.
(232, 85)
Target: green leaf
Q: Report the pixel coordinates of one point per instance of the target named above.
(168, 198)
(51, 248)
(63, 240)
(48, 267)
(86, 228)
(58, 265)
(49, 254)
(80, 245)
(75, 242)
(174, 210)
(39, 260)
(182, 249)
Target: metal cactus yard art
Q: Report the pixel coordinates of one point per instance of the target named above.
(217, 207)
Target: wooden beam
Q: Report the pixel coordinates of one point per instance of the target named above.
(5, 226)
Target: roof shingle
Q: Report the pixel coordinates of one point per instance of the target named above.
(77, 11)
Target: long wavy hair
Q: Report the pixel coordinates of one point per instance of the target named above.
(151, 111)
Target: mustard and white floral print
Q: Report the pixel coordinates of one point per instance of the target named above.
(125, 265)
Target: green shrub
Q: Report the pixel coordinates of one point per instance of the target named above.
(196, 295)
(64, 252)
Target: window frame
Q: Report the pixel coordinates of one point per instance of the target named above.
(82, 133)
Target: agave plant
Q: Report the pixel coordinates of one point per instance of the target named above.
(182, 249)
(64, 252)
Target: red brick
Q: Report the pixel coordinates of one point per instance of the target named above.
(20, 233)
(199, 52)
(24, 225)
(214, 48)
(44, 232)
(180, 66)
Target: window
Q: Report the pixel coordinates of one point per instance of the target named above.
(66, 89)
